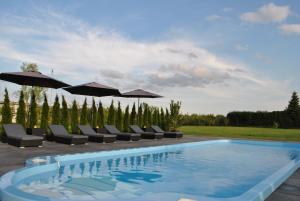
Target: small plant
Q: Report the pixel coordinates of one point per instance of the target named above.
(21, 113)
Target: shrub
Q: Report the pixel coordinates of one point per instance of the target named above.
(74, 117)
(111, 114)
(6, 110)
(133, 115)
(64, 114)
(33, 111)
(56, 111)
(21, 113)
(119, 117)
(100, 116)
(45, 114)
(126, 120)
(83, 115)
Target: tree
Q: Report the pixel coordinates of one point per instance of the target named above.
(83, 115)
(6, 110)
(162, 119)
(145, 115)
(293, 109)
(100, 116)
(140, 116)
(133, 115)
(38, 91)
(56, 111)
(64, 113)
(119, 117)
(74, 117)
(174, 114)
(21, 113)
(111, 114)
(45, 114)
(126, 120)
(32, 111)
(167, 120)
(149, 118)
(94, 114)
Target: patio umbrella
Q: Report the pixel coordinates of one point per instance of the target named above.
(32, 78)
(93, 89)
(140, 93)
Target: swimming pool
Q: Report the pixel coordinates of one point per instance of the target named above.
(228, 170)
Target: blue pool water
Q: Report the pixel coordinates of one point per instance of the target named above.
(206, 171)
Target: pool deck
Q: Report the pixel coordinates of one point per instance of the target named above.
(12, 158)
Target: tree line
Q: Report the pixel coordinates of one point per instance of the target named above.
(288, 118)
(96, 115)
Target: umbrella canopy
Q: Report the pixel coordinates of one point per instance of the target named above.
(140, 93)
(32, 78)
(93, 89)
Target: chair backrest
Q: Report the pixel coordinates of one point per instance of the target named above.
(86, 129)
(14, 129)
(136, 128)
(111, 129)
(58, 130)
(157, 129)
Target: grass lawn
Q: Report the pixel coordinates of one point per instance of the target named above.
(244, 132)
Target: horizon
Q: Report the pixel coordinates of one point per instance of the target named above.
(214, 56)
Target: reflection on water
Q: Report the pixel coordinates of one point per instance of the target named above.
(216, 171)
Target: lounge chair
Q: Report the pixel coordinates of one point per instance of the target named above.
(167, 134)
(144, 134)
(17, 136)
(122, 136)
(95, 137)
(61, 135)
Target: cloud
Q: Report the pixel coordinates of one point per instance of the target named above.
(241, 47)
(227, 9)
(213, 17)
(79, 52)
(290, 28)
(270, 13)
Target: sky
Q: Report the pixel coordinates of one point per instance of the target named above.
(213, 56)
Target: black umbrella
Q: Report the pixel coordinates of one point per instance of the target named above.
(93, 89)
(140, 93)
(32, 78)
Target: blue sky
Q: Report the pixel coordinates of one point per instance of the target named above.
(214, 56)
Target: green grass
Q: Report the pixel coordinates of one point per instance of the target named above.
(243, 132)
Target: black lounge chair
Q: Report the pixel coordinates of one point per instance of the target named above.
(17, 136)
(166, 133)
(122, 136)
(61, 135)
(145, 134)
(95, 137)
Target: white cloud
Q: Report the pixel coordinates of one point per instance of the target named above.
(290, 28)
(270, 13)
(213, 17)
(81, 53)
(241, 47)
